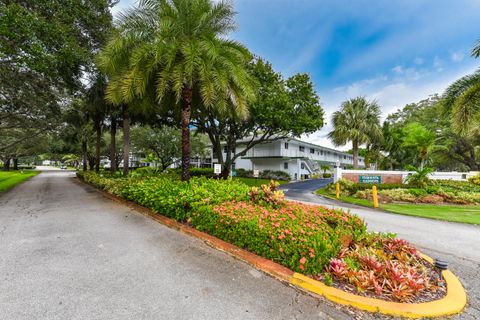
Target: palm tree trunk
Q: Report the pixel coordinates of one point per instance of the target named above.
(126, 142)
(186, 113)
(84, 155)
(355, 153)
(113, 145)
(6, 165)
(422, 163)
(98, 132)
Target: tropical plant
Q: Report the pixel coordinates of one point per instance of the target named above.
(420, 178)
(358, 121)
(178, 49)
(325, 168)
(463, 99)
(419, 138)
(476, 50)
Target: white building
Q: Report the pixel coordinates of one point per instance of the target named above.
(298, 158)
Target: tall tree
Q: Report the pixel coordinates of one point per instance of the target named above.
(98, 108)
(476, 50)
(283, 108)
(46, 47)
(419, 138)
(179, 47)
(358, 121)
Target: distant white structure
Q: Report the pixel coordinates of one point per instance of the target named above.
(298, 158)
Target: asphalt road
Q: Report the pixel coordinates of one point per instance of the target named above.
(66, 252)
(457, 243)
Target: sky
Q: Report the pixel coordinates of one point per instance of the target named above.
(392, 51)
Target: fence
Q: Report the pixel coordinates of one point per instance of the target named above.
(379, 176)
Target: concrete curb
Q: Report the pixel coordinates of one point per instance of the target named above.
(454, 302)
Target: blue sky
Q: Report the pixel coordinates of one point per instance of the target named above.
(394, 51)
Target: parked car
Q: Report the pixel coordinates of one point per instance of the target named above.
(63, 167)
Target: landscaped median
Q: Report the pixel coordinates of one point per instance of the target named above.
(455, 201)
(324, 251)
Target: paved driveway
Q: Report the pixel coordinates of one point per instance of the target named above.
(457, 243)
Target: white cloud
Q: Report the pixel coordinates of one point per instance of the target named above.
(398, 69)
(438, 64)
(457, 56)
(391, 94)
(418, 61)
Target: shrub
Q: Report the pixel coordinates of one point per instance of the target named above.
(202, 172)
(299, 236)
(146, 172)
(265, 174)
(275, 175)
(197, 172)
(398, 195)
(475, 179)
(417, 192)
(267, 194)
(177, 199)
(354, 187)
(327, 175)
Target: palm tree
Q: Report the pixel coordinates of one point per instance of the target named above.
(420, 138)
(178, 48)
(97, 107)
(476, 50)
(358, 121)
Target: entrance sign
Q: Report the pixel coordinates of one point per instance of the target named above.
(370, 179)
(217, 168)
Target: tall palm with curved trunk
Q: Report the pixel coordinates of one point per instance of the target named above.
(358, 121)
(462, 98)
(476, 50)
(178, 48)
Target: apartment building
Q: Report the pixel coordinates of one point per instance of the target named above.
(298, 158)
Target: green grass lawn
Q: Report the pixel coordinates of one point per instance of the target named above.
(9, 179)
(455, 213)
(252, 182)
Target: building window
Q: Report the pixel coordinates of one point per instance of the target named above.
(312, 150)
(286, 145)
(285, 165)
(224, 149)
(302, 165)
(301, 148)
(344, 157)
(321, 152)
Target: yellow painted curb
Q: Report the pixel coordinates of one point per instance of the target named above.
(452, 303)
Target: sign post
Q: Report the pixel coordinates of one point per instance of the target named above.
(217, 168)
(256, 173)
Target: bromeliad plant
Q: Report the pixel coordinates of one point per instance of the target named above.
(267, 194)
(385, 266)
